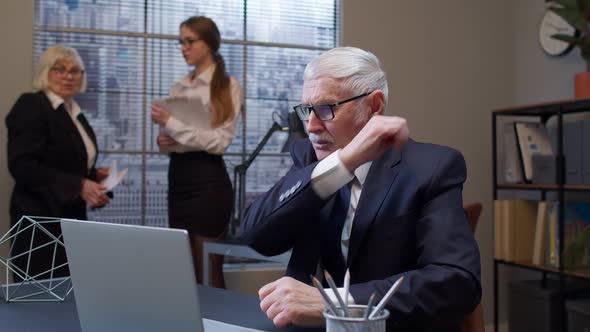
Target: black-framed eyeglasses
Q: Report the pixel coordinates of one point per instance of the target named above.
(323, 112)
(187, 42)
(62, 71)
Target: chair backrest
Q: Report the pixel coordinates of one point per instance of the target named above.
(473, 211)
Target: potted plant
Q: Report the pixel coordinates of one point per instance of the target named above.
(577, 14)
(575, 254)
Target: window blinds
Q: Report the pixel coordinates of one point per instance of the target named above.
(131, 56)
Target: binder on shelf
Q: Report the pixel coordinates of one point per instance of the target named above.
(544, 169)
(511, 159)
(572, 148)
(505, 223)
(532, 139)
(521, 228)
(540, 236)
(586, 151)
(514, 229)
(552, 257)
(498, 228)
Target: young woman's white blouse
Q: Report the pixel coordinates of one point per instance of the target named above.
(215, 140)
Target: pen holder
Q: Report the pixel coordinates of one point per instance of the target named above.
(355, 322)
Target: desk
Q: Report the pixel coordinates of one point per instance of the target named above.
(216, 304)
(236, 249)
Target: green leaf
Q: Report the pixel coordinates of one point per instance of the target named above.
(575, 252)
(579, 41)
(566, 3)
(574, 17)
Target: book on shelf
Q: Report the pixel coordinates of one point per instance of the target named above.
(498, 229)
(521, 225)
(514, 228)
(532, 139)
(540, 234)
(572, 150)
(552, 258)
(510, 157)
(509, 169)
(586, 152)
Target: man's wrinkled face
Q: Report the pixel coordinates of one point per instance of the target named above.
(331, 135)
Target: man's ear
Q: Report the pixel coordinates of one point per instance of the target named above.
(377, 102)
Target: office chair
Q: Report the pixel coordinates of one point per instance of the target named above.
(474, 322)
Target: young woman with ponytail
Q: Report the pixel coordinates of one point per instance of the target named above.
(200, 197)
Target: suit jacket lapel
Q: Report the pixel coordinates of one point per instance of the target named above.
(61, 115)
(380, 178)
(66, 122)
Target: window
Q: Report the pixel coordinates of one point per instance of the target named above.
(131, 57)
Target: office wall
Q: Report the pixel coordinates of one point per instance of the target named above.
(538, 77)
(16, 17)
(449, 64)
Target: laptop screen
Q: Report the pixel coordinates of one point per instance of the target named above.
(132, 278)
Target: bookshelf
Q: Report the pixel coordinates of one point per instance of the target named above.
(559, 191)
(583, 273)
(543, 187)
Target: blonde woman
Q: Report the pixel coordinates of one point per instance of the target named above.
(51, 155)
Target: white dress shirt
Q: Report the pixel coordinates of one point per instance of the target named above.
(74, 110)
(214, 140)
(329, 176)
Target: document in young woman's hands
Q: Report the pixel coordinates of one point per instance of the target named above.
(190, 111)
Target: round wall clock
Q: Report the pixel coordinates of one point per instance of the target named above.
(552, 24)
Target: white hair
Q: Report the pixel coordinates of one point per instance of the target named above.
(49, 58)
(358, 70)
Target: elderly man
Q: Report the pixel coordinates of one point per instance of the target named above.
(362, 196)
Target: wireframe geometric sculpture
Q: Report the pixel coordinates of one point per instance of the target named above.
(46, 287)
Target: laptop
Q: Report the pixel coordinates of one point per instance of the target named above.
(134, 278)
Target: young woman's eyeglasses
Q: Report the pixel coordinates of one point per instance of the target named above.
(62, 71)
(323, 112)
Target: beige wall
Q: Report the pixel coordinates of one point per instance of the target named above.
(538, 77)
(449, 65)
(16, 17)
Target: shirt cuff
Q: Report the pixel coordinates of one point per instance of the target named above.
(329, 175)
(172, 126)
(333, 298)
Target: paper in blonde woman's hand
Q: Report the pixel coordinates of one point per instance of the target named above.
(114, 178)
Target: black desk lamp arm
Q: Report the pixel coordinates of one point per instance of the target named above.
(240, 173)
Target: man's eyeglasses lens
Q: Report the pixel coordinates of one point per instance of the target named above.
(323, 112)
(62, 71)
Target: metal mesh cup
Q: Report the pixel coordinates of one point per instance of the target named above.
(355, 322)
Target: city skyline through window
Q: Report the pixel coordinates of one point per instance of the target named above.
(132, 57)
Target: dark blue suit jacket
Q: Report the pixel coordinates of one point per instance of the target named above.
(47, 159)
(409, 221)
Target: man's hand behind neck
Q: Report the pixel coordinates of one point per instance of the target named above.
(379, 134)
